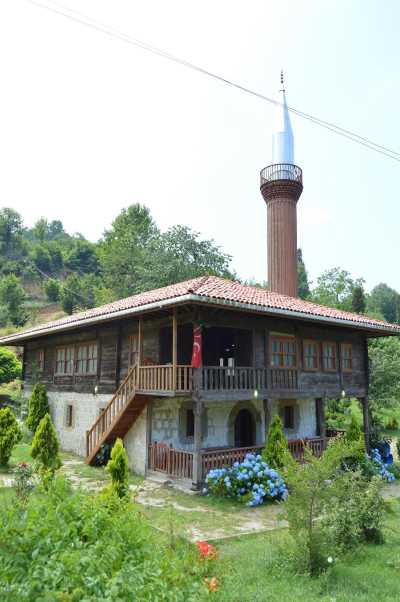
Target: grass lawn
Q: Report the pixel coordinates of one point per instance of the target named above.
(250, 571)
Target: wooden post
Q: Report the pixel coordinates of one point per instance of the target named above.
(149, 419)
(365, 410)
(174, 347)
(198, 430)
(320, 417)
(118, 357)
(140, 341)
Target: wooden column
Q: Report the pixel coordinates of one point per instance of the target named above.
(365, 410)
(174, 347)
(140, 341)
(118, 357)
(198, 429)
(320, 417)
(149, 426)
(267, 415)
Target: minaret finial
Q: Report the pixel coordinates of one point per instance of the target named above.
(282, 83)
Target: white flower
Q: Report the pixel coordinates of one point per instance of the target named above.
(330, 559)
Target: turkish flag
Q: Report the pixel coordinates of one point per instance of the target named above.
(197, 360)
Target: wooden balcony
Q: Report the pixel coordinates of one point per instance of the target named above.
(216, 380)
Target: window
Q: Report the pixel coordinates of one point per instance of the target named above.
(329, 362)
(86, 359)
(65, 360)
(40, 360)
(347, 357)
(189, 423)
(70, 416)
(283, 352)
(311, 355)
(133, 349)
(288, 417)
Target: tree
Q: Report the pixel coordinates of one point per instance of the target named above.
(12, 296)
(10, 434)
(335, 289)
(118, 468)
(71, 294)
(124, 249)
(302, 277)
(82, 258)
(276, 450)
(386, 301)
(52, 290)
(41, 258)
(41, 230)
(38, 407)
(358, 300)
(384, 356)
(45, 447)
(10, 366)
(11, 229)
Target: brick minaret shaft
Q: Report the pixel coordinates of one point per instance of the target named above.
(281, 196)
(281, 186)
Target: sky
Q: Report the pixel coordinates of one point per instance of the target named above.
(90, 124)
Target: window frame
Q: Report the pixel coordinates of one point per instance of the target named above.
(283, 339)
(335, 356)
(74, 348)
(86, 359)
(344, 346)
(317, 355)
(64, 361)
(292, 417)
(40, 355)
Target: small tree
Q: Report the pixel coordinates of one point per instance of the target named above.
(118, 469)
(10, 366)
(10, 434)
(353, 433)
(38, 406)
(276, 451)
(52, 290)
(45, 447)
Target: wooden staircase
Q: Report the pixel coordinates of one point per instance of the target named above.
(118, 417)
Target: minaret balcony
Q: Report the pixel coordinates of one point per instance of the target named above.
(281, 171)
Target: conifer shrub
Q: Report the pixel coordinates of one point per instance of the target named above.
(118, 469)
(38, 407)
(355, 439)
(276, 452)
(45, 449)
(10, 434)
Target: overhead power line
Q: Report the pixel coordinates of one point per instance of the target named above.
(88, 21)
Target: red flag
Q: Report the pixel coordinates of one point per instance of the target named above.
(197, 360)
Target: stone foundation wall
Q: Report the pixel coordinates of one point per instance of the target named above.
(86, 409)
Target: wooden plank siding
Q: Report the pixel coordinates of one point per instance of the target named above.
(113, 356)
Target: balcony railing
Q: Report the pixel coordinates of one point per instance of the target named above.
(281, 171)
(166, 378)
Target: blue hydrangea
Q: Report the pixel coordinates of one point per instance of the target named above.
(251, 481)
(380, 467)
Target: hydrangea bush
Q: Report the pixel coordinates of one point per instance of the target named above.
(378, 467)
(252, 482)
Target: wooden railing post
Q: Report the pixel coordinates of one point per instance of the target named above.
(198, 423)
(174, 347)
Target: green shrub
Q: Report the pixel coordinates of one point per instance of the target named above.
(276, 451)
(38, 406)
(45, 449)
(10, 434)
(355, 438)
(391, 424)
(314, 487)
(118, 468)
(10, 366)
(73, 546)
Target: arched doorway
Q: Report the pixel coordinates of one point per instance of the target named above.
(244, 429)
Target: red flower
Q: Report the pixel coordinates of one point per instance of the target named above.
(206, 550)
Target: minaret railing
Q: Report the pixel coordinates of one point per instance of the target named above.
(281, 171)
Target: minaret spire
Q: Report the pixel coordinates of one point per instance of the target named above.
(281, 186)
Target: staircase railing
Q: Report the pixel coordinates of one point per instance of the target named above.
(107, 418)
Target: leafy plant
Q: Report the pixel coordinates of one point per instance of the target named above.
(118, 469)
(23, 481)
(10, 366)
(38, 406)
(276, 450)
(251, 482)
(45, 449)
(73, 546)
(10, 434)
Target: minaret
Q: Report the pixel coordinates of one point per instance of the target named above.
(281, 186)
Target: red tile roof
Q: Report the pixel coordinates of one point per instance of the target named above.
(210, 290)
